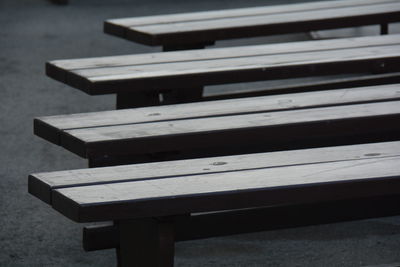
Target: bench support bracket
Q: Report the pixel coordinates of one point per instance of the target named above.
(137, 99)
(384, 28)
(146, 243)
(168, 96)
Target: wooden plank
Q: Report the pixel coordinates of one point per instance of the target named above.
(42, 184)
(265, 129)
(125, 75)
(231, 190)
(237, 23)
(54, 124)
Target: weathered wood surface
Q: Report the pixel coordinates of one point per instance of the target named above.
(308, 183)
(42, 184)
(51, 127)
(202, 27)
(158, 71)
(218, 134)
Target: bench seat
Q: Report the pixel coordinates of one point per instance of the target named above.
(194, 68)
(183, 30)
(216, 127)
(43, 185)
(148, 202)
(229, 190)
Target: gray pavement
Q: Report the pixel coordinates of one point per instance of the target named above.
(32, 234)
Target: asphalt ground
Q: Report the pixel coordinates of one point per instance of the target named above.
(32, 234)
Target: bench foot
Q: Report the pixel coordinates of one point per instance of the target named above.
(146, 243)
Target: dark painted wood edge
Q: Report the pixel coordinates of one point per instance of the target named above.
(81, 83)
(105, 236)
(114, 29)
(55, 72)
(301, 194)
(39, 189)
(98, 237)
(46, 131)
(69, 208)
(69, 78)
(74, 145)
(120, 31)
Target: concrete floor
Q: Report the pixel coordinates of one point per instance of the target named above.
(32, 234)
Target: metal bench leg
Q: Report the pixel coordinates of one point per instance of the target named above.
(384, 28)
(146, 243)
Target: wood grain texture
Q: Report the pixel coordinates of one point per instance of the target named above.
(42, 184)
(231, 190)
(182, 69)
(245, 22)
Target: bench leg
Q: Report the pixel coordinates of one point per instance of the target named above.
(137, 99)
(175, 96)
(384, 28)
(146, 243)
(167, 48)
(59, 2)
(186, 95)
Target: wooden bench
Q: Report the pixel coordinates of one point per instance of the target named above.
(155, 204)
(139, 79)
(217, 127)
(196, 30)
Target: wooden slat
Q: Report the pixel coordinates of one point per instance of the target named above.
(264, 129)
(216, 66)
(42, 184)
(231, 190)
(50, 127)
(244, 22)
